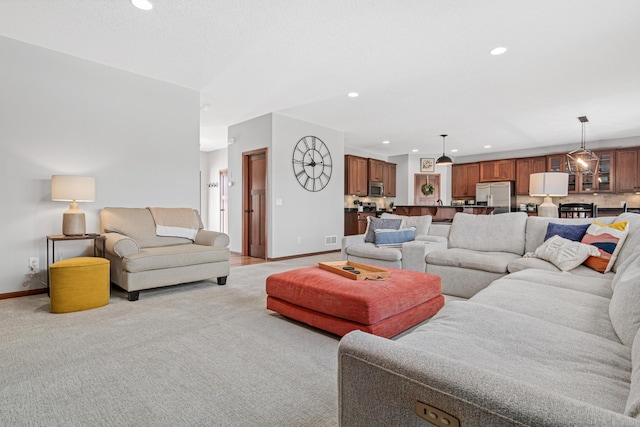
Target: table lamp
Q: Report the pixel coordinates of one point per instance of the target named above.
(548, 185)
(67, 188)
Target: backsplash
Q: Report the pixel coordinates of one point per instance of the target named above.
(381, 202)
(602, 200)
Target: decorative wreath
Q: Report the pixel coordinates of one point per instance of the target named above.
(427, 189)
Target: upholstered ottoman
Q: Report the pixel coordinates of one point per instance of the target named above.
(340, 305)
(79, 284)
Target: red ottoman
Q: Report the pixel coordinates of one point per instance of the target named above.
(340, 305)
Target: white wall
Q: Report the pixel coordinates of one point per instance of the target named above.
(137, 136)
(211, 163)
(308, 215)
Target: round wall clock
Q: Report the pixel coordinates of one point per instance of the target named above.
(312, 163)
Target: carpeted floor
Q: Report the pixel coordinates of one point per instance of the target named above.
(191, 355)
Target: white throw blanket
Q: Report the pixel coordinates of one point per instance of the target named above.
(176, 222)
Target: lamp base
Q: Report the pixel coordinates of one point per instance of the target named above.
(73, 222)
(548, 209)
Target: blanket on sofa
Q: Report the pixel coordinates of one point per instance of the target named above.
(175, 222)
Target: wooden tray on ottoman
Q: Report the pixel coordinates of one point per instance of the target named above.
(366, 271)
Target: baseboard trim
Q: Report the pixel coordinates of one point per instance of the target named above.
(302, 255)
(23, 293)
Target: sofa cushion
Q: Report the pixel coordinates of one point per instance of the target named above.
(564, 253)
(395, 238)
(608, 238)
(625, 302)
(597, 285)
(420, 222)
(377, 223)
(370, 250)
(633, 403)
(489, 233)
(536, 228)
(578, 310)
(493, 262)
(567, 231)
(138, 224)
(173, 256)
(633, 237)
(548, 356)
(527, 262)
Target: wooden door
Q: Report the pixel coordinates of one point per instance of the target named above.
(224, 201)
(255, 204)
(419, 180)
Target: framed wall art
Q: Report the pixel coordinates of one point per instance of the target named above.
(427, 165)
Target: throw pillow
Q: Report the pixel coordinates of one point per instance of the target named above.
(571, 232)
(564, 253)
(608, 239)
(421, 223)
(388, 238)
(376, 223)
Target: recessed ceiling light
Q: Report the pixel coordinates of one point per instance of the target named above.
(386, 142)
(142, 4)
(205, 107)
(415, 150)
(455, 150)
(498, 50)
(487, 146)
(353, 94)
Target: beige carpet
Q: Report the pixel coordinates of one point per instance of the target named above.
(192, 355)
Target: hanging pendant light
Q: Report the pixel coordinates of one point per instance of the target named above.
(582, 161)
(444, 159)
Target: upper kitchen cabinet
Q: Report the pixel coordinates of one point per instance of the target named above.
(524, 168)
(464, 178)
(626, 172)
(355, 175)
(376, 170)
(498, 170)
(601, 182)
(389, 179)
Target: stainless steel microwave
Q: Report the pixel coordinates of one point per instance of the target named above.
(376, 189)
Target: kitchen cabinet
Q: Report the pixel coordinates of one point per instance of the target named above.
(356, 175)
(464, 178)
(627, 174)
(356, 222)
(524, 168)
(389, 179)
(601, 182)
(498, 170)
(376, 170)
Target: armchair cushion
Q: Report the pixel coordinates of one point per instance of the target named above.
(421, 223)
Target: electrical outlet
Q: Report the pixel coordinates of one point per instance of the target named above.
(34, 264)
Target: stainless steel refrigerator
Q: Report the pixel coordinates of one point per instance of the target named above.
(499, 194)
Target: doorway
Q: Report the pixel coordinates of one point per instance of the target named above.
(254, 217)
(419, 197)
(224, 200)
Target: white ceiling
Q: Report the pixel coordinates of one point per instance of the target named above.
(422, 67)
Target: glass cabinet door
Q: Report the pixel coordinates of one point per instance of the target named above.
(604, 176)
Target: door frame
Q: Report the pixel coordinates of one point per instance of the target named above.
(223, 179)
(246, 200)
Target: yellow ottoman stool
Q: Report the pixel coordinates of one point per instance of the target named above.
(77, 284)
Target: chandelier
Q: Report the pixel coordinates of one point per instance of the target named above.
(582, 161)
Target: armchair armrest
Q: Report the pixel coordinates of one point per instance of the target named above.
(212, 238)
(119, 245)
(350, 240)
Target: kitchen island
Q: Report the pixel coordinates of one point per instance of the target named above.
(446, 213)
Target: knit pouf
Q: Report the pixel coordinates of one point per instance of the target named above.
(77, 284)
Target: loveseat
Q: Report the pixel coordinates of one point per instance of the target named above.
(537, 347)
(142, 259)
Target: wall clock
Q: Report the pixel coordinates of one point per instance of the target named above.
(312, 163)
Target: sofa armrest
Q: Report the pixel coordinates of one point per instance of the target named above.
(350, 240)
(212, 238)
(119, 245)
(415, 252)
(380, 381)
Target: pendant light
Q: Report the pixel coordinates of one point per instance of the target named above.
(582, 161)
(444, 159)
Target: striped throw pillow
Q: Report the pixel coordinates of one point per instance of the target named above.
(608, 239)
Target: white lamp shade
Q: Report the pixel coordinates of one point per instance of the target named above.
(67, 188)
(554, 184)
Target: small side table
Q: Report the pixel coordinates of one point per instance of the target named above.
(62, 238)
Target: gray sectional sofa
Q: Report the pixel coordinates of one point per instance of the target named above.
(140, 259)
(535, 346)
